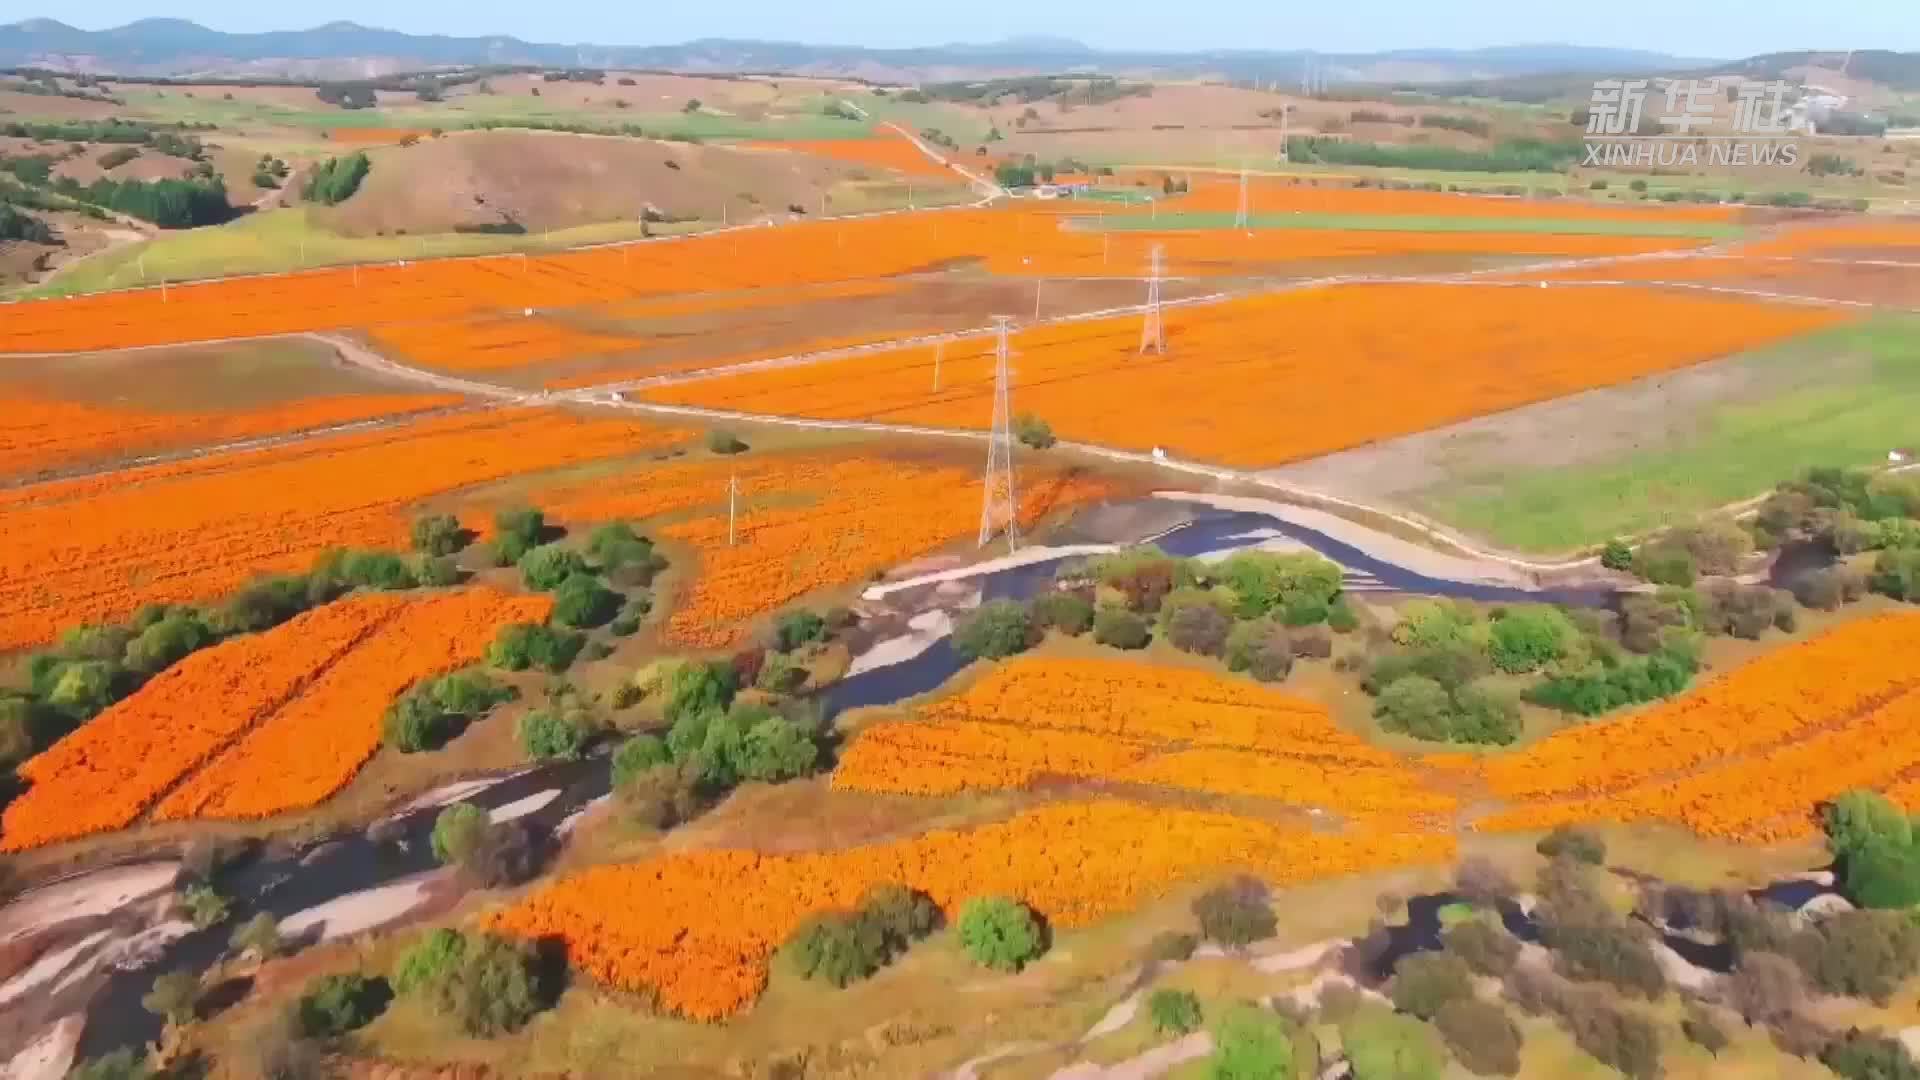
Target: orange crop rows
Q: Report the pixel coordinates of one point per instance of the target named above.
(96, 549)
(110, 770)
(1110, 720)
(1273, 378)
(806, 522)
(1864, 235)
(44, 434)
(372, 136)
(1749, 755)
(1020, 240)
(496, 341)
(697, 928)
(604, 376)
(886, 151)
(1277, 195)
(303, 752)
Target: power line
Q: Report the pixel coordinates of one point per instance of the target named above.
(998, 507)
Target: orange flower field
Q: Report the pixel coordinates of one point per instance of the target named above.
(498, 341)
(1272, 195)
(105, 774)
(1133, 723)
(807, 521)
(43, 434)
(651, 927)
(1745, 757)
(885, 150)
(305, 751)
(1275, 378)
(95, 549)
(1021, 240)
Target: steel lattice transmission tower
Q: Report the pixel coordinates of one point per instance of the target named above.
(999, 509)
(1153, 331)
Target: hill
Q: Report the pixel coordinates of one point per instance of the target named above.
(163, 47)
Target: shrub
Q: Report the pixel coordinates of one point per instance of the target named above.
(1484, 947)
(1617, 555)
(1764, 988)
(492, 988)
(1425, 981)
(1896, 573)
(999, 933)
(637, 755)
(1173, 1012)
(457, 832)
(725, 442)
(1702, 1030)
(1665, 566)
(1613, 953)
(899, 915)
(1579, 844)
(120, 1064)
(438, 534)
(623, 554)
(1417, 706)
(545, 567)
(205, 907)
(1262, 648)
(662, 796)
(1236, 913)
(773, 749)
(174, 997)
(1119, 628)
(1484, 714)
(581, 601)
(171, 639)
(1341, 618)
(1525, 639)
(1033, 431)
(524, 525)
(429, 960)
(1479, 880)
(1311, 643)
(1201, 629)
(1480, 1035)
(797, 628)
(1264, 582)
(999, 629)
(436, 572)
(261, 934)
(549, 735)
(1251, 1043)
(519, 646)
(336, 1004)
(1171, 946)
(1627, 1041)
(1860, 953)
(1866, 1055)
(834, 948)
(1381, 1045)
(1062, 611)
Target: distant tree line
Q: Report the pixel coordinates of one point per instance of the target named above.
(1512, 155)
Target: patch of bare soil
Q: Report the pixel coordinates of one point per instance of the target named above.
(549, 180)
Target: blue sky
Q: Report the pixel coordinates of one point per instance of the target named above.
(1718, 28)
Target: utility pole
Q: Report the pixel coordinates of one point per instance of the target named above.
(1036, 298)
(939, 350)
(998, 506)
(1240, 219)
(733, 505)
(1152, 331)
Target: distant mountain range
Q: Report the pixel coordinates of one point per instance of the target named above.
(176, 47)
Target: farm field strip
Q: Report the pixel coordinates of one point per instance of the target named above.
(308, 749)
(1091, 383)
(96, 549)
(1203, 220)
(108, 772)
(1132, 723)
(1746, 757)
(653, 927)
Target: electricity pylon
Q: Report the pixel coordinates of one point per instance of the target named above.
(1153, 331)
(999, 510)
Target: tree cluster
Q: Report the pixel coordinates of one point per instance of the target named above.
(843, 947)
(485, 984)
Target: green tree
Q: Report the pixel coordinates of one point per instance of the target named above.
(519, 646)
(429, 960)
(774, 749)
(120, 1064)
(999, 629)
(1119, 628)
(1526, 639)
(1423, 982)
(1617, 555)
(1262, 648)
(1251, 1043)
(167, 642)
(1000, 933)
(174, 997)
(581, 601)
(1577, 843)
(1417, 706)
(333, 1005)
(260, 934)
(1033, 431)
(491, 987)
(1382, 1045)
(1173, 1012)
(1486, 948)
(901, 916)
(1236, 913)
(797, 628)
(205, 907)
(636, 756)
(1063, 611)
(83, 689)
(551, 735)
(458, 832)
(546, 566)
(834, 948)
(1481, 1036)
(1867, 1055)
(438, 534)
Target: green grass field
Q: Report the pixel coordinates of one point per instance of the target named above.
(1197, 221)
(280, 240)
(1855, 394)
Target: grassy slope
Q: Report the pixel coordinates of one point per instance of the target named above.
(271, 242)
(1837, 414)
(1415, 223)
